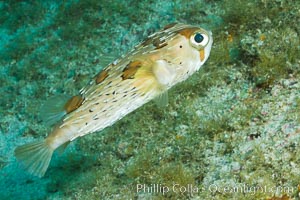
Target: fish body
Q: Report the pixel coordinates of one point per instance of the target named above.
(164, 59)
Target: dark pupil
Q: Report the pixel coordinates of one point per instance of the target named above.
(198, 38)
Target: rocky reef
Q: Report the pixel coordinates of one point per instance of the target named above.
(229, 132)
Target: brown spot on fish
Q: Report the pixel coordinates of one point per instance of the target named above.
(101, 76)
(130, 69)
(159, 43)
(187, 32)
(202, 54)
(169, 26)
(73, 103)
(155, 41)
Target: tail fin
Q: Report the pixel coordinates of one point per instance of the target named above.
(35, 157)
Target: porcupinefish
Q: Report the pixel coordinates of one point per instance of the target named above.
(164, 59)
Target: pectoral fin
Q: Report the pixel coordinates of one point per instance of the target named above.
(162, 99)
(164, 72)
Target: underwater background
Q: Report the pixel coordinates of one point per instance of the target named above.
(233, 124)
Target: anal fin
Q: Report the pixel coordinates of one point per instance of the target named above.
(62, 148)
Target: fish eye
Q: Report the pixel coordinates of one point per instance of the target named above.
(199, 39)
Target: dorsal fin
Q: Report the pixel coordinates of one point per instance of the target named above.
(53, 109)
(56, 107)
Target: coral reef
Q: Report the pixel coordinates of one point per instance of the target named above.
(229, 132)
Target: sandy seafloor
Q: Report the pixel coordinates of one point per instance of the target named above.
(229, 132)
